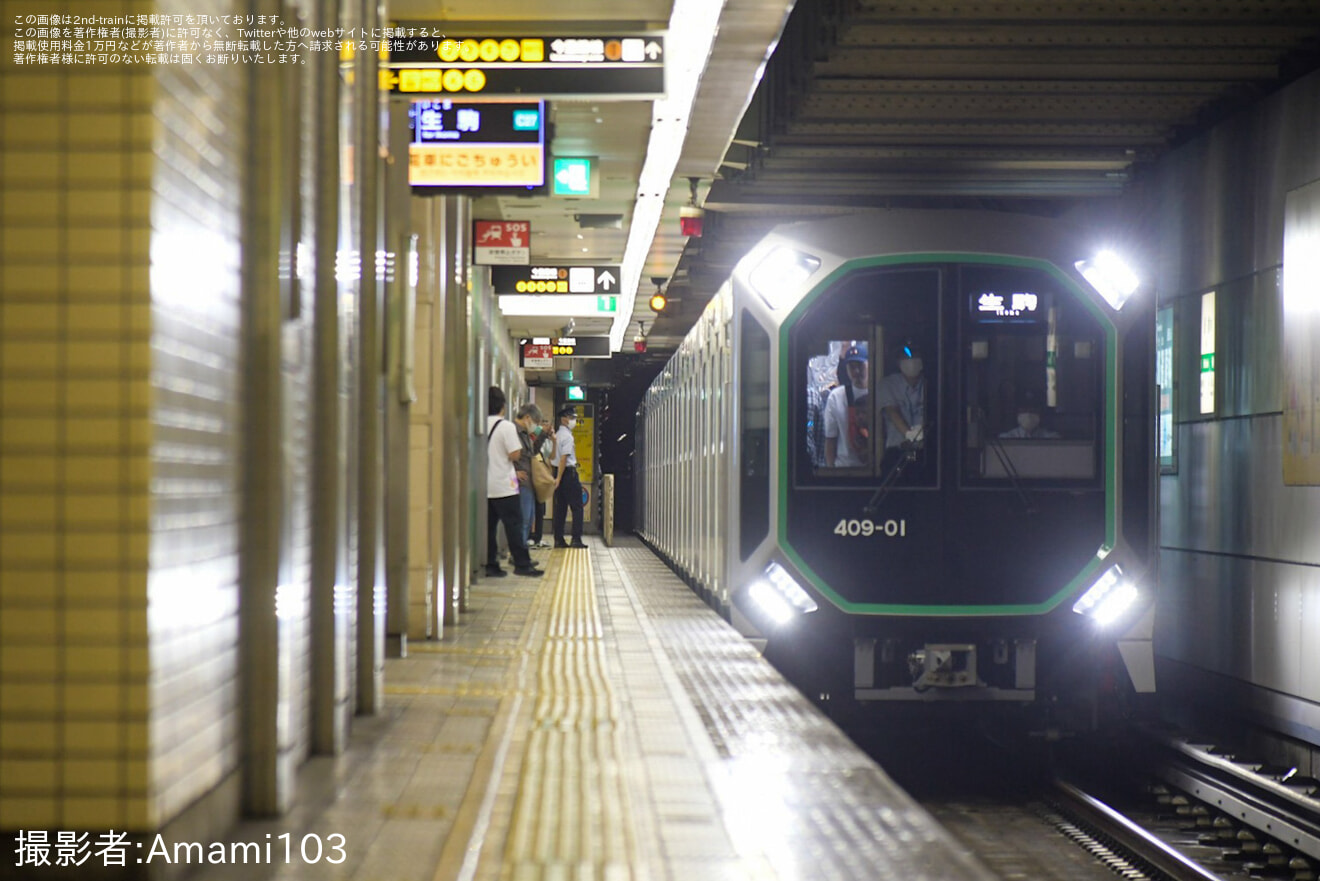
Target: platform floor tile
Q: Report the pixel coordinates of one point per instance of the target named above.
(602, 724)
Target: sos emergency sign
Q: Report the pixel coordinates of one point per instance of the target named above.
(502, 242)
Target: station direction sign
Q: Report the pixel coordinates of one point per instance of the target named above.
(556, 279)
(599, 66)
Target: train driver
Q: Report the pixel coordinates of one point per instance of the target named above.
(847, 414)
(903, 403)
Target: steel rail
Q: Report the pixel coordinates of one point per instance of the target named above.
(1131, 837)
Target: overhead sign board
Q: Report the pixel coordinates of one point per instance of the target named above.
(582, 347)
(555, 279)
(465, 143)
(623, 66)
(501, 242)
(572, 346)
(538, 353)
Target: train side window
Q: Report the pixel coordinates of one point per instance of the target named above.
(1032, 365)
(754, 470)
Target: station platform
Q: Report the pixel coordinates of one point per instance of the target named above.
(600, 722)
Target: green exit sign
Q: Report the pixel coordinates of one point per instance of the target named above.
(575, 176)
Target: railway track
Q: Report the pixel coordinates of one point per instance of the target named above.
(1266, 816)
(1061, 833)
(1155, 808)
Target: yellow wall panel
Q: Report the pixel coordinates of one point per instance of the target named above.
(28, 698)
(29, 625)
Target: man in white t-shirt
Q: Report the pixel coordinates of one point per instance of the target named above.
(848, 414)
(503, 448)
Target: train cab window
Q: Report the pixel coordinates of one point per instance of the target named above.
(1032, 366)
(867, 401)
(840, 418)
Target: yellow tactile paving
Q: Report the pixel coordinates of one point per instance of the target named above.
(572, 814)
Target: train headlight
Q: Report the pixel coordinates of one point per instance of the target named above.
(1111, 277)
(779, 597)
(777, 278)
(1107, 600)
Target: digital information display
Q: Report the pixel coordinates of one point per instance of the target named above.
(625, 67)
(596, 279)
(1015, 307)
(476, 144)
(562, 347)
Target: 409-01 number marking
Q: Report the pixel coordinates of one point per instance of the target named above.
(865, 528)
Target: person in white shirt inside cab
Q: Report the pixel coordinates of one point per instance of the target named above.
(1028, 421)
(848, 413)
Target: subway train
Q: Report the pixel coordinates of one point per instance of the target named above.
(911, 454)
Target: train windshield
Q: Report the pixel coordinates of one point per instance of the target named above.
(1031, 365)
(868, 355)
(1022, 363)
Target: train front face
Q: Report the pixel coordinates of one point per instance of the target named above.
(947, 515)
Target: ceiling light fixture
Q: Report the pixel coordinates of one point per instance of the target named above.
(692, 27)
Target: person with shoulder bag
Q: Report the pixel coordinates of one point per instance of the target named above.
(528, 420)
(543, 481)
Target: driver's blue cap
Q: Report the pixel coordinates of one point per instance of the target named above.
(856, 353)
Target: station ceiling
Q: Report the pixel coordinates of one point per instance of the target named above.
(1034, 104)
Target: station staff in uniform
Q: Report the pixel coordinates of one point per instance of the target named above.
(568, 489)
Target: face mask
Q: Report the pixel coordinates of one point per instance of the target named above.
(536, 429)
(910, 367)
(572, 424)
(1029, 421)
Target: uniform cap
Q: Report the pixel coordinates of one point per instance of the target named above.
(855, 353)
(567, 411)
